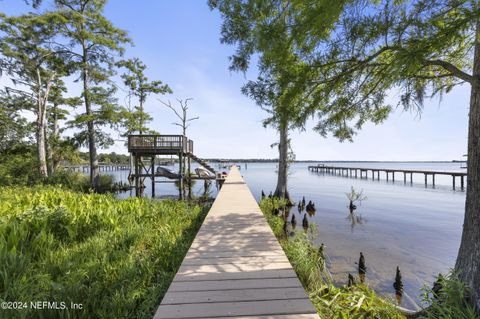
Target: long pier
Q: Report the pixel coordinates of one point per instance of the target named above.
(363, 172)
(101, 167)
(235, 267)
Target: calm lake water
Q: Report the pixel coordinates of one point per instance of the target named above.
(410, 226)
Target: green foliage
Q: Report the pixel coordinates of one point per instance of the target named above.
(420, 48)
(105, 112)
(14, 128)
(113, 158)
(18, 166)
(93, 43)
(115, 257)
(135, 118)
(337, 60)
(79, 182)
(286, 36)
(358, 301)
(451, 302)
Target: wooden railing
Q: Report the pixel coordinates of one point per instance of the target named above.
(159, 143)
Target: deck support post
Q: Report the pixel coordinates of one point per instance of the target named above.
(453, 181)
(180, 173)
(433, 180)
(425, 179)
(462, 184)
(404, 177)
(189, 161)
(152, 167)
(137, 191)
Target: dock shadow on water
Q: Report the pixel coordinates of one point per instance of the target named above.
(415, 228)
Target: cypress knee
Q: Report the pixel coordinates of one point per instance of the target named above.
(351, 280)
(305, 221)
(362, 268)
(398, 284)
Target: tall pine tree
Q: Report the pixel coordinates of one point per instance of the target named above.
(33, 65)
(139, 88)
(93, 42)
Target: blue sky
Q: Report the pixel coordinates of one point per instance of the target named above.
(179, 42)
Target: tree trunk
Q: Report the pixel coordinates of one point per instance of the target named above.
(281, 190)
(468, 260)
(92, 147)
(42, 158)
(56, 139)
(52, 142)
(49, 149)
(141, 117)
(41, 124)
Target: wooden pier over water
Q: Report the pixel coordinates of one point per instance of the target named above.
(363, 172)
(101, 167)
(235, 267)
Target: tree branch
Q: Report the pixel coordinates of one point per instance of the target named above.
(452, 69)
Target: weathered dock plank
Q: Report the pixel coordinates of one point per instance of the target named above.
(235, 267)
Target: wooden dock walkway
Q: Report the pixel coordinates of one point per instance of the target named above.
(235, 267)
(375, 173)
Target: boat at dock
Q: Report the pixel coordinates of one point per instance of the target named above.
(203, 172)
(165, 172)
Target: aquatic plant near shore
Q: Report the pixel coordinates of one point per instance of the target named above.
(354, 197)
(357, 301)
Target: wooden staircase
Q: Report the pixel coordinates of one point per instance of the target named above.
(201, 162)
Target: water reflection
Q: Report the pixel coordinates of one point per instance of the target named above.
(415, 228)
(355, 219)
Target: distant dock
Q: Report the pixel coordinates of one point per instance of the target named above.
(101, 167)
(363, 172)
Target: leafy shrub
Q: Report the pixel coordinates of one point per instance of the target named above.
(115, 257)
(450, 302)
(19, 167)
(78, 182)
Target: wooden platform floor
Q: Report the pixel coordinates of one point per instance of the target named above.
(235, 267)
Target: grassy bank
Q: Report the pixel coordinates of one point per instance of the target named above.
(449, 300)
(357, 301)
(114, 257)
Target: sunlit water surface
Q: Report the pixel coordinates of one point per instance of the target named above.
(405, 225)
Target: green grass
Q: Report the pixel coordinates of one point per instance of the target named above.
(451, 302)
(358, 301)
(115, 257)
